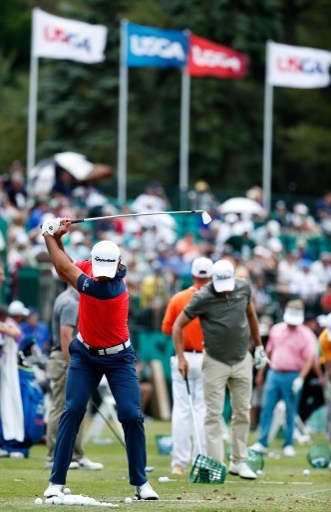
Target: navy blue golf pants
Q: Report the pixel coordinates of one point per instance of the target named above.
(84, 375)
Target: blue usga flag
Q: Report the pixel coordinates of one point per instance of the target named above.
(152, 47)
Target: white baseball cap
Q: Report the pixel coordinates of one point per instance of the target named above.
(223, 275)
(294, 313)
(17, 308)
(202, 267)
(105, 258)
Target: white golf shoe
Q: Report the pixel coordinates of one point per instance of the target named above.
(50, 463)
(53, 490)
(145, 492)
(258, 447)
(289, 451)
(85, 463)
(242, 470)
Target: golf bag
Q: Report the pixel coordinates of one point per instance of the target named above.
(33, 409)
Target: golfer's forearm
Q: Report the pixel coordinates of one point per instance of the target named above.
(59, 243)
(177, 336)
(254, 326)
(59, 258)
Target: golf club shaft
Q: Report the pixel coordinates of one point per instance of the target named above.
(111, 428)
(122, 215)
(193, 414)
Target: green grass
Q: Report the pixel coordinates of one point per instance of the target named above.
(281, 487)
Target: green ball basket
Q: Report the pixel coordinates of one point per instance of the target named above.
(255, 459)
(319, 456)
(164, 444)
(207, 471)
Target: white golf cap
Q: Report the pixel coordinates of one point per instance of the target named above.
(294, 313)
(202, 267)
(105, 258)
(17, 308)
(223, 275)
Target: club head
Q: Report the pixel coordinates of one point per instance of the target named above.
(206, 218)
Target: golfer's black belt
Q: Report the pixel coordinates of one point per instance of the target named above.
(193, 350)
(104, 351)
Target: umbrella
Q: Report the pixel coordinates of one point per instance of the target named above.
(242, 205)
(41, 178)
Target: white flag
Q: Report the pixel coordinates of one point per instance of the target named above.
(298, 67)
(60, 38)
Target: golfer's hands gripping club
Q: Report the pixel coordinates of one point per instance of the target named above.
(50, 226)
(260, 358)
(183, 367)
(57, 227)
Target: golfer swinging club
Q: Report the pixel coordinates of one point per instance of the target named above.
(102, 347)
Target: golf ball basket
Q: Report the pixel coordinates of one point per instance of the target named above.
(206, 470)
(254, 459)
(319, 456)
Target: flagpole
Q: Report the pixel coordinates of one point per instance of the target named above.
(32, 112)
(184, 137)
(267, 135)
(123, 117)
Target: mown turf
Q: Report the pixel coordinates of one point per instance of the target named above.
(281, 487)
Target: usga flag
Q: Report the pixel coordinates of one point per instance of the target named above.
(60, 38)
(211, 59)
(149, 46)
(295, 66)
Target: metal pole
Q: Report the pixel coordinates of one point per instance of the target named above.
(267, 136)
(184, 138)
(123, 118)
(33, 94)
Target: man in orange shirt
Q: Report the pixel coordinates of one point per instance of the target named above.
(184, 444)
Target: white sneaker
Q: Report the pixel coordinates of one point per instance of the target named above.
(242, 470)
(85, 463)
(50, 463)
(177, 470)
(3, 453)
(16, 455)
(53, 490)
(258, 447)
(145, 492)
(289, 451)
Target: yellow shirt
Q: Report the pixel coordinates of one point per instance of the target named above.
(325, 346)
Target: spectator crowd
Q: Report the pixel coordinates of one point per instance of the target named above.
(284, 254)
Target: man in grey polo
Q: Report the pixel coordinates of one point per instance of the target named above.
(227, 318)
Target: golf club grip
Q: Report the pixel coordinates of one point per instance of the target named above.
(187, 385)
(72, 222)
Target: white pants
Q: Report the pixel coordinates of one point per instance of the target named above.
(185, 446)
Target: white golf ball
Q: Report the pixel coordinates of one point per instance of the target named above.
(163, 479)
(66, 490)
(306, 472)
(38, 501)
(128, 500)
(259, 472)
